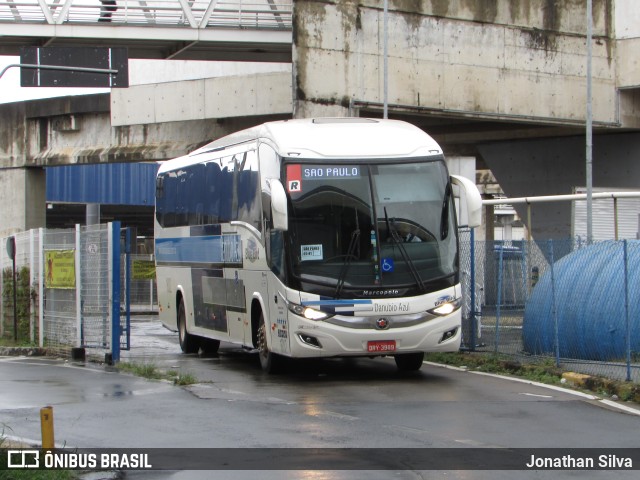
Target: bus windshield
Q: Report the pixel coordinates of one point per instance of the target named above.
(358, 230)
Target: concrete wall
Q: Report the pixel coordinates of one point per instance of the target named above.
(13, 135)
(22, 200)
(78, 130)
(21, 189)
(218, 97)
(499, 58)
(627, 21)
(72, 130)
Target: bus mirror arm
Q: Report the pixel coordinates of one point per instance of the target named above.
(474, 200)
(279, 206)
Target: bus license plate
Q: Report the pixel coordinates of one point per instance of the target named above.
(381, 346)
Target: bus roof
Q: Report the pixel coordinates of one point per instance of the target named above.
(330, 138)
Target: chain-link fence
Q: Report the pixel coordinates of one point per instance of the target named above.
(61, 331)
(95, 288)
(141, 273)
(25, 314)
(564, 300)
(68, 290)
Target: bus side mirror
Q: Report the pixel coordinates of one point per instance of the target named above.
(279, 206)
(474, 200)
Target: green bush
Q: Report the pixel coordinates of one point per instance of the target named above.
(25, 294)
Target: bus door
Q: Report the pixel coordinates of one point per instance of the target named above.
(236, 304)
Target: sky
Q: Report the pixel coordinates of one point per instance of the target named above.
(11, 91)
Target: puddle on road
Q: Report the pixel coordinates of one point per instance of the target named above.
(211, 392)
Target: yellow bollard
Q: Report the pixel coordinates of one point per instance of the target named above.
(46, 424)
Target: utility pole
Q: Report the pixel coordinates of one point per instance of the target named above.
(589, 143)
(385, 113)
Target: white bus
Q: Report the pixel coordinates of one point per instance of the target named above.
(313, 238)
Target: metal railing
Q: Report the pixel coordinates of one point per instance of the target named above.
(197, 14)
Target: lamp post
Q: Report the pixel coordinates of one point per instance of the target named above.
(385, 112)
(589, 133)
(11, 251)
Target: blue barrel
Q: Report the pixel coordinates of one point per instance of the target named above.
(590, 305)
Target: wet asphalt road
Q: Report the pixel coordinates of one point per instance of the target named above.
(360, 403)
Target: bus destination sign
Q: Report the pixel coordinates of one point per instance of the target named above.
(322, 172)
(297, 173)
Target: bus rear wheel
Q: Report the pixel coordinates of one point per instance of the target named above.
(269, 361)
(209, 346)
(188, 342)
(409, 362)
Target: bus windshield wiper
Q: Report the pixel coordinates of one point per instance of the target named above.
(444, 217)
(355, 238)
(398, 241)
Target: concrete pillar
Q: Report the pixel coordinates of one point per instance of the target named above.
(22, 199)
(305, 109)
(92, 214)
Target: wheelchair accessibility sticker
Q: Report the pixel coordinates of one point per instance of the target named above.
(387, 265)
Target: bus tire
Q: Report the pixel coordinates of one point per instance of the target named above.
(269, 361)
(209, 346)
(188, 342)
(409, 362)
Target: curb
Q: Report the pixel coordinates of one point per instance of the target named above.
(590, 383)
(615, 389)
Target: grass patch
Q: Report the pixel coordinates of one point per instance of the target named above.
(7, 474)
(544, 372)
(185, 379)
(152, 372)
(145, 370)
(10, 342)
(38, 474)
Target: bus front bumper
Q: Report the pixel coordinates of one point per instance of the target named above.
(322, 339)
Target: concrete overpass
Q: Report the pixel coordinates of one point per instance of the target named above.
(501, 82)
(256, 30)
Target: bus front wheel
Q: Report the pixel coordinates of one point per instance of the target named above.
(188, 342)
(269, 361)
(409, 362)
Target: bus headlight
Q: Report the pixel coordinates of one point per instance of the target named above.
(447, 308)
(307, 312)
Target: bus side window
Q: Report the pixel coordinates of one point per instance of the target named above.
(226, 195)
(212, 193)
(167, 204)
(194, 194)
(160, 200)
(181, 199)
(248, 190)
(276, 250)
(160, 186)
